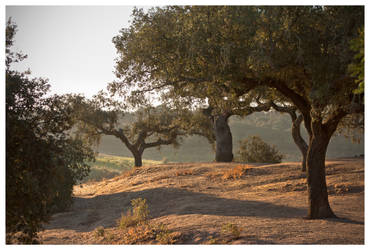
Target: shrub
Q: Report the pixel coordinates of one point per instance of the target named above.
(99, 231)
(137, 229)
(140, 209)
(163, 235)
(254, 149)
(137, 215)
(231, 229)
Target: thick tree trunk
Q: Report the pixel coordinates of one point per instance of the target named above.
(316, 180)
(224, 140)
(299, 141)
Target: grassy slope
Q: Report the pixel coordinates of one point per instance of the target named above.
(272, 127)
(109, 166)
(195, 200)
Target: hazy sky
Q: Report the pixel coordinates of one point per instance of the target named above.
(71, 46)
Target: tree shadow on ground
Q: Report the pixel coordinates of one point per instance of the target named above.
(88, 213)
(346, 220)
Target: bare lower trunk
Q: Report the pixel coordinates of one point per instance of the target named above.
(138, 159)
(299, 141)
(316, 180)
(224, 140)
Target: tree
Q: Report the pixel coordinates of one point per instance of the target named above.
(151, 127)
(43, 161)
(219, 111)
(137, 68)
(301, 52)
(319, 85)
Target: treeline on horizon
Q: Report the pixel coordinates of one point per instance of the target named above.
(273, 127)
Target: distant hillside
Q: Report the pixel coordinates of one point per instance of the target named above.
(272, 127)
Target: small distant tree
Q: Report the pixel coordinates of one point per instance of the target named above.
(254, 149)
(150, 127)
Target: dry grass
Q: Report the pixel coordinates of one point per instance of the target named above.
(184, 172)
(236, 173)
(261, 204)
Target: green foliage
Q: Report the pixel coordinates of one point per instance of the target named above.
(42, 161)
(207, 51)
(357, 68)
(254, 149)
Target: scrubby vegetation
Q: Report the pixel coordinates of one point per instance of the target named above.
(254, 149)
(135, 228)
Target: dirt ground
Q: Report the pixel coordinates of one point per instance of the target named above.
(267, 203)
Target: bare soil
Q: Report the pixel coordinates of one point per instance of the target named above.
(266, 202)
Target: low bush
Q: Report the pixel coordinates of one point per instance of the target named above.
(99, 231)
(137, 229)
(137, 215)
(254, 149)
(232, 230)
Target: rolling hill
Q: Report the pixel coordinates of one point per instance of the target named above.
(272, 127)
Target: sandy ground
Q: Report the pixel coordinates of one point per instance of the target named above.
(267, 203)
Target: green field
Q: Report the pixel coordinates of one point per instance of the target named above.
(108, 166)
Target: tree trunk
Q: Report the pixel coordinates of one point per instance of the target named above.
(299, 141)
(224, 140)
(316, 180)
(138, 159)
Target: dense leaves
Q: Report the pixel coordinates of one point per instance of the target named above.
(357, 68)
(43, 161)
(301, 52)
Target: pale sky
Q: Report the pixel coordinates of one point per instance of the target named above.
(70, 45)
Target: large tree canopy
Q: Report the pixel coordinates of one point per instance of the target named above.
(301, 52)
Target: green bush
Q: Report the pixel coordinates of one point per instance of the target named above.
(254, 149)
